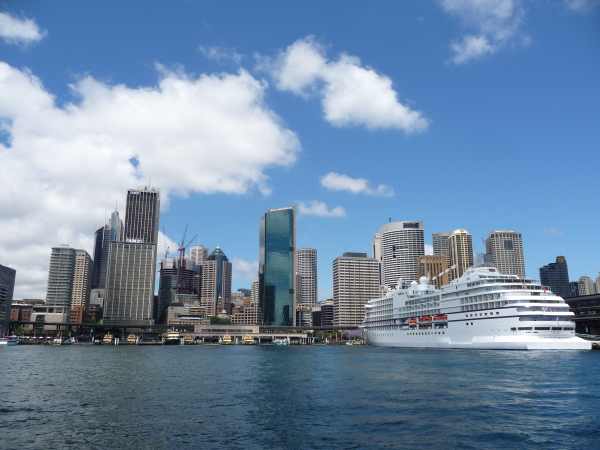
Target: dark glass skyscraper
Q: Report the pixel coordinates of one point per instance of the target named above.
(277, 266)
(110, 232)
(556, 276)
(7, 285)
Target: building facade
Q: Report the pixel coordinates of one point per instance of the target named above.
(401, 244)
(306, 265)
(215, 295)
(7, 286)
(198, 254)
(61, 273)
(556, 277)
(586, 286)
(506, 251)
(441, 245)
(431, 266)
(277, 266)
(82, 286)
(171, 275)
(355, 282)
(113, 231)
(461, 252)
(142, 212)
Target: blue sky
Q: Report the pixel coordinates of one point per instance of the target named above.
(482, 115)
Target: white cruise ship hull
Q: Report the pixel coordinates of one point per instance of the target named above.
(399, 338)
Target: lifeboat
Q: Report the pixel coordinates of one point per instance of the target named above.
(412, 321)
(425, 319)
(440, 317)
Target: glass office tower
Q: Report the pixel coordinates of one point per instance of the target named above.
(277, 266)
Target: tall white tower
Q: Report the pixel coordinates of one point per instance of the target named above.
(306, 266)
(461, 252)
(401, 245)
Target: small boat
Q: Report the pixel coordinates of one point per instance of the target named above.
(281, 342)
(188, 340)
(68, 341)
(172, 338)
(108, 338)
(57, 341)
(9, 340)
(132, 339)
(226, 340)
(248, 340)
(350, 343)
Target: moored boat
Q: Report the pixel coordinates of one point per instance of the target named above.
(248, 340)
(9, 340)
(482, 309)
(172, 338)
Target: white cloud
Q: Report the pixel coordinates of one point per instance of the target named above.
(336, 182)
(244, 270)
(350, 93)
(316, 208)
(171, 248)
(217, 53)
(428, 249)
(19, 31)
(551, 231)
(496, 22)
(61, 165)
(581, 6)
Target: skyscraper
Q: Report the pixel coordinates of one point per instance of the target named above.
(141, 215)
(216, 283)
(61, 272)
(401, 244)
(461, 252)
(277, 266)
(355, 282)
(168, 284)
(131, 264)
(7, 286)
(198, 254)
(82, 285)
(506, 250)
(306, 264)
(441, 245)
(112, 231)
(556, 276)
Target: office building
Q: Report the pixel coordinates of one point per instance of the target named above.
(7, 286)
(431, 266)
(215, 295)
(586, 286)
(112, 231)
(355, 282)
(556, 277)
(131, 269)
(254, 291)
(142, 212)
(306, 265)
(61, 272)
(277, 266)
(441, 245)
(506, 251)
(198, 254)
(401, 244)
(461, 253)
(82, 286)
(174, 280)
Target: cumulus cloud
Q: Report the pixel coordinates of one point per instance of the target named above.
(496, 24)
(350, 93)
(19, 31)
(428, 249)
(165, 245)
(336, 182)
(316, 208)
(244, 270)
(581, 6)
(62, 165)
(217, 53)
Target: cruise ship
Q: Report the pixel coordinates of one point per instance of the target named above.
(482, 309)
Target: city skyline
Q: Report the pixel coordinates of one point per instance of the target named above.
(240, 111)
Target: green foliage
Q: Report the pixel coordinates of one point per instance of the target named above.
(216, 320)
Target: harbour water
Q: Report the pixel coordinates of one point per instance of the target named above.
(284, 397)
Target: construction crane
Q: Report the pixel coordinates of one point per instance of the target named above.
(181, 289)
